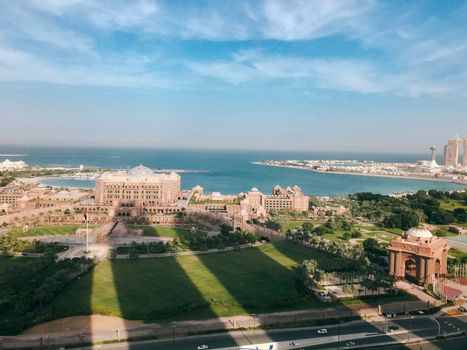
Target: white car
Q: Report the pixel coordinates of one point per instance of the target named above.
(322, 331)
(202, 347)
(350, 343)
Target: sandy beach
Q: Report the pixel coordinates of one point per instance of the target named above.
(423, 178)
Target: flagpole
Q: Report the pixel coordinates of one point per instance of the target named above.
(87, 230)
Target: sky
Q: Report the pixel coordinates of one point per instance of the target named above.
(382, 76)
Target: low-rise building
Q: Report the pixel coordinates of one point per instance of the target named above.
(418, 256)
(10, 165)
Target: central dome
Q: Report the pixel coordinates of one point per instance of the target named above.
(418, 233)
(140, 171)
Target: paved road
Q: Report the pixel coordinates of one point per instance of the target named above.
(457, 343)
(359, 332)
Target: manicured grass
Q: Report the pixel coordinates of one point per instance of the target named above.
(338, 235)
(47, 230)
(396, 231)
(292, 225)
(445, 233)
(451, 204)
(457, 253)
(167, 231)
(192, 287)
(382, 235)
(377, 300)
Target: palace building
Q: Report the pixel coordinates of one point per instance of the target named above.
(290, 198)
(137, 192)
(418, 256)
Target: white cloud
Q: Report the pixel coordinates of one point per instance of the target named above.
(399, 51)
(361, 76)
(21, 66)
(303, 19)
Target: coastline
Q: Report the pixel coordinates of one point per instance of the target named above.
(422, 178)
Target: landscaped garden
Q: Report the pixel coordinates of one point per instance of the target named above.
(28, 285)
(46, 231)
(249, 280)
(168, 231)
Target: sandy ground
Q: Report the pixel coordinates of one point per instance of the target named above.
(76, 324)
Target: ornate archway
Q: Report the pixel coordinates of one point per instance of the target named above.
(410, 269)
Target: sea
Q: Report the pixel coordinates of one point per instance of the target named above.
(226, 171)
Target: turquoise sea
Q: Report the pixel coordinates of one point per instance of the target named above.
(227, 171)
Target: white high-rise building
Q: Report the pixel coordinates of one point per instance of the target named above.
(465, 151)
(451, 153)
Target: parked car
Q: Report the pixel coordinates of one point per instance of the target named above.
(393, 328)
(322, 331)
(202, 347)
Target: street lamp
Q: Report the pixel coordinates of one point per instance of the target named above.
(173, 335)
(254, 328)
(439, 326)
(410, 327)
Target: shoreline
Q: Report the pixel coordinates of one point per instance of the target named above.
(422, 178)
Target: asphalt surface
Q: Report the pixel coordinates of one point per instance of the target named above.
(358, 332)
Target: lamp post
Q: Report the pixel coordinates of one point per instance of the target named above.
(410, 327)
(173, 336)
(254, 328)
(439, 326)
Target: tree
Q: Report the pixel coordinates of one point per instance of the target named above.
(308, 227)
(439, 217)
(460, 214)
(225, 229)
(308, 268)
(348, 289)
(273, 225)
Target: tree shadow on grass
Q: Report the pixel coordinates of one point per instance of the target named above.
(165, 292)
(45, 295)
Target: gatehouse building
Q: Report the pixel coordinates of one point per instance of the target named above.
(418, 256)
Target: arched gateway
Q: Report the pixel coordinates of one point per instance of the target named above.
(418, 256)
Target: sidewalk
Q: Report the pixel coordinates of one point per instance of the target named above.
(96, 328)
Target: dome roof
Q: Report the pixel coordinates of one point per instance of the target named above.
(140, 171)
(254, 189)
(418, 233)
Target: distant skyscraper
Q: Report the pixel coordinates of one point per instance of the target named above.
(465, 151)
(451, 151)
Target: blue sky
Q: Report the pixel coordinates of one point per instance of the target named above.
(306, 75)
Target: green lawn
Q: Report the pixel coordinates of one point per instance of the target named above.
(382, 235)
(457, 253)
(396, 231)
(292, 225)
(192, 287)
(167, 231)
(451, 204)
(334, 236)
(47, 230)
